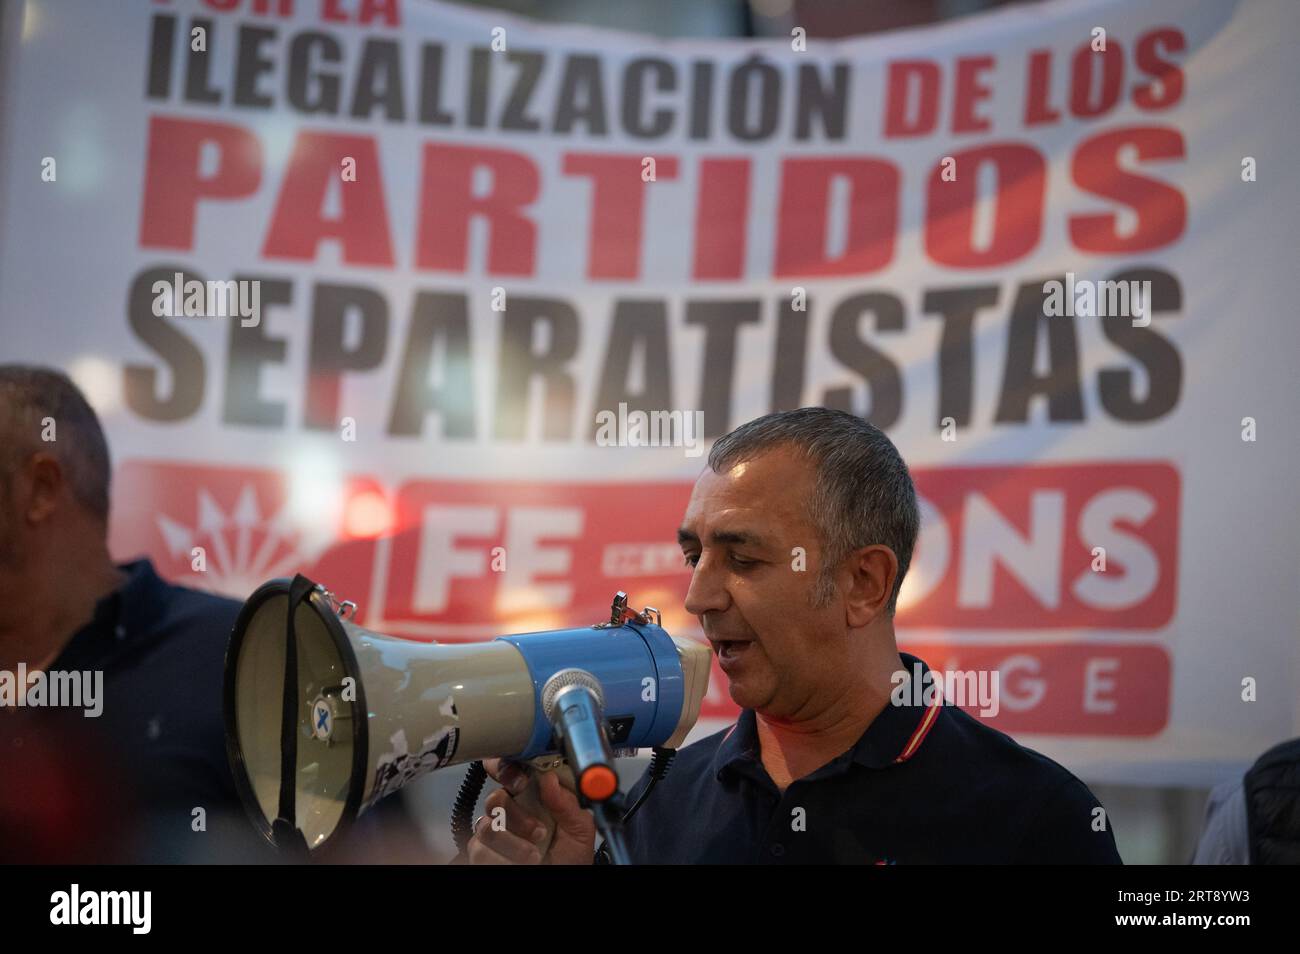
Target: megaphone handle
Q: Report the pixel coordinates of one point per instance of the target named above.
(530, 799)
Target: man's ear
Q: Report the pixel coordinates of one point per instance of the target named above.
(873, 571)
(39, 485)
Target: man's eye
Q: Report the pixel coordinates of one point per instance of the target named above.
(742, 562)
(692, 559)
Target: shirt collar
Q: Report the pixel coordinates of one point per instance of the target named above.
(131, 609)
(893, 737)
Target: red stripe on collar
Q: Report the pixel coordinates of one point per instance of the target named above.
(919, 734)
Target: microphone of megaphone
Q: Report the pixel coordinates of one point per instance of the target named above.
(573, 704)
(324, 717)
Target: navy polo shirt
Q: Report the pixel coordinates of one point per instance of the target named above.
(922, 785)
(159, 746)
(161, 735)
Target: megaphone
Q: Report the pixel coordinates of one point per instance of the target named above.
(324, 717)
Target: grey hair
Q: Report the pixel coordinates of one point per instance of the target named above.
(862, 492)
(30, 394)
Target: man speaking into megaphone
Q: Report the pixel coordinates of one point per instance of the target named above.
(828, 762)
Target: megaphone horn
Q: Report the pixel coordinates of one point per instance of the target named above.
(324, 717)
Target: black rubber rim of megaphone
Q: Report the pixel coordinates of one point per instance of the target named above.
(360, 738)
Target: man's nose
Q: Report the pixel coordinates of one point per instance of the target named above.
(708, 591)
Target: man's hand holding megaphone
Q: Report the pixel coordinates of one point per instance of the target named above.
(524, 838)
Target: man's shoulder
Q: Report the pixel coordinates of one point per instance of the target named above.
(972, 747)
(177, 621)
(679, 789)
(190, 602)
(690, 763)
(189, 608)
(698, 760)
(1058, 815)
